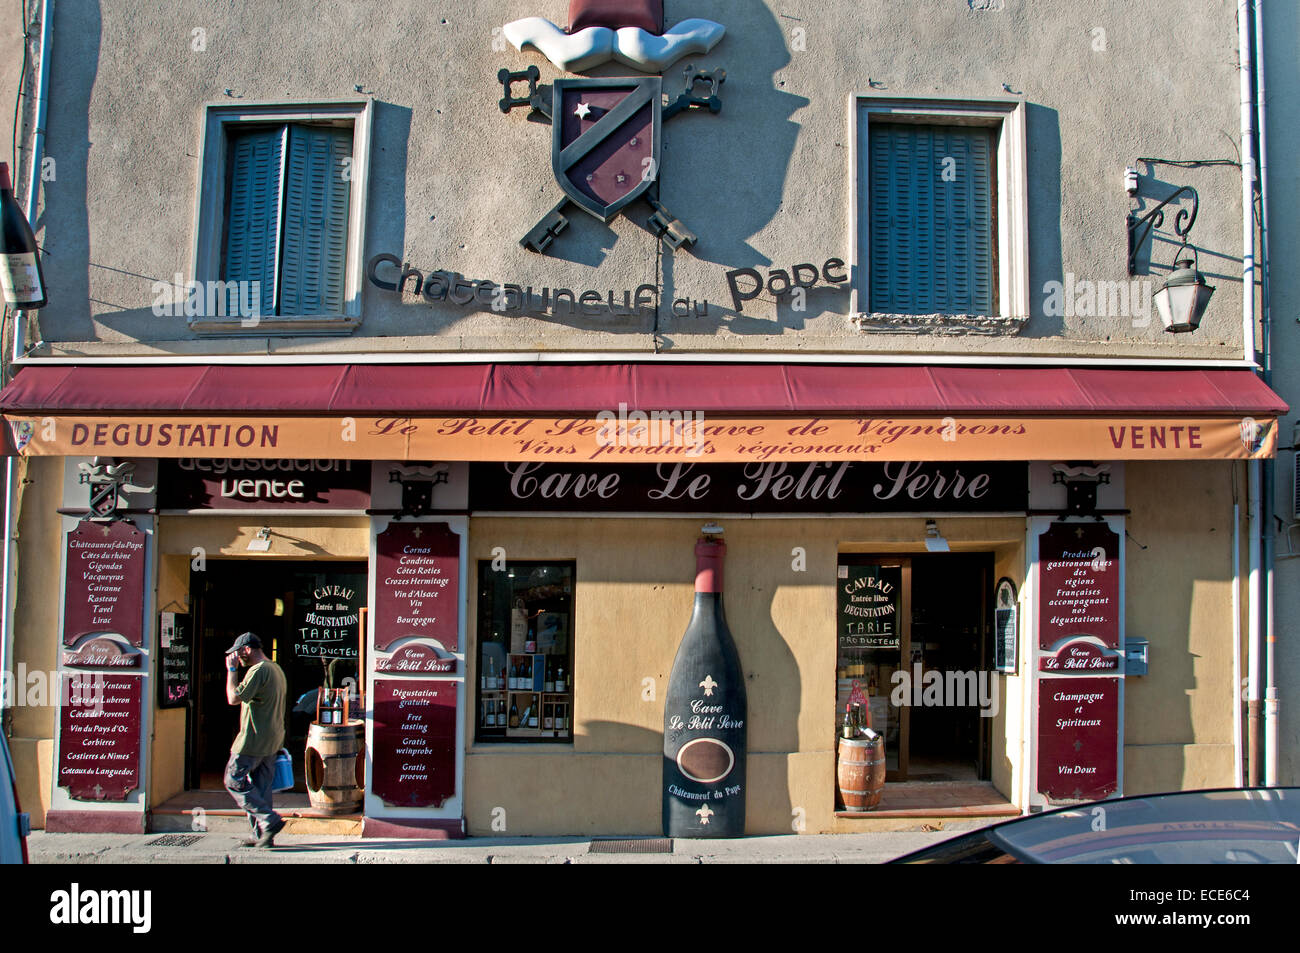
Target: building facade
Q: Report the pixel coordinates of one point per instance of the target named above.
(432, 336)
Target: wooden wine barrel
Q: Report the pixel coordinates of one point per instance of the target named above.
(335, 763)
(861, 772)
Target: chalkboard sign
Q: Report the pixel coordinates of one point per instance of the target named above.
(869, 601)
(1005, 627)
(176, 659)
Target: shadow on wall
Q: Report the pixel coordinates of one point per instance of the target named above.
(65, 212)
(1043, 129)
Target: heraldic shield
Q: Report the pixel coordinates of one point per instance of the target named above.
(605, 145)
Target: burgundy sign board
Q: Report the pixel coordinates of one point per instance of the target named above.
(1078, 738)
(414, 751)
(99, 735)
(104, 584)
(415, 658)
(417, 584)
(1078, 580)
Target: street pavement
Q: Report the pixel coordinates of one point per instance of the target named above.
(225, 848)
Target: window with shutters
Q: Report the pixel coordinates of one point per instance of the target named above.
(281, 219)
(941, 218)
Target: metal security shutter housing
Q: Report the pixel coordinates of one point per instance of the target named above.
(931, 227)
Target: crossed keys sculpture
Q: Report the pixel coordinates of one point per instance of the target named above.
(605, 143)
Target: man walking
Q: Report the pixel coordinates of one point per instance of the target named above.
(251, 768)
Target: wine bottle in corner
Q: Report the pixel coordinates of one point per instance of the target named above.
(705, 714)
(20, 263)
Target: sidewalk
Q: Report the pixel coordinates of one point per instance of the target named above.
(225, 848)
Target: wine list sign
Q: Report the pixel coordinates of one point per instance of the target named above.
(104, 584)
(99, 735)
(417, 585)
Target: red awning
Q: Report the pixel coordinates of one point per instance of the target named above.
(560, 389)
(720, 412)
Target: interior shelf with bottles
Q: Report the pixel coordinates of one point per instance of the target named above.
(525, 680)
(534, 702)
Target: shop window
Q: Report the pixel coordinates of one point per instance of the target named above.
(525, 652)
(941, 211)
(281, 220)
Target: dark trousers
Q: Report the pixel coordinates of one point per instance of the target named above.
(249, 782)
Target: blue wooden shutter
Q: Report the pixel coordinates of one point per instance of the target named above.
(255, 174)
(931, 237)
(316, 198)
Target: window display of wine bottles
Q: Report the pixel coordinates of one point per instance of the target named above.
(525, 681)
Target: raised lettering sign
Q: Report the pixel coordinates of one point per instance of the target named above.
(768, 487)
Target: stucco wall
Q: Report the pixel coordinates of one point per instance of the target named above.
(454, 183)
(1178, 594)
(36, 632)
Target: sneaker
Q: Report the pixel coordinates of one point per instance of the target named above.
(268, 836)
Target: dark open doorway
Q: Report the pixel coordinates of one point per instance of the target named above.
(307, 615)
(915, 649)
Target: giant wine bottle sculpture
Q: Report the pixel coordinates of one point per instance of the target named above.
(705, 714)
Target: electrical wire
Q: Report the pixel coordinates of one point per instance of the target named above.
(1188, 163)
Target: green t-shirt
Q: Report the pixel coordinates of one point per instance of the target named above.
(261, 716)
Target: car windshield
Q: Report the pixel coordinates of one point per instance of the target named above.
(1193, 827)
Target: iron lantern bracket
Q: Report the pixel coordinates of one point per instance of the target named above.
(1183, 223)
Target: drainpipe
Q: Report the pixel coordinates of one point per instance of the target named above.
(1271, 701)
(1238, 777)
(8, 564)
(1253, 537)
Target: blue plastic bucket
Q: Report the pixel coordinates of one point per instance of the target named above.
(283, 779)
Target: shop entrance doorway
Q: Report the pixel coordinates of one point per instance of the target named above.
(914, 647)
(307, 615)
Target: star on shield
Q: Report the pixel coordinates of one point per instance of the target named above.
(605, 140)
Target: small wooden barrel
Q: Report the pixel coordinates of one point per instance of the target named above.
(861, 772)
(335, 763)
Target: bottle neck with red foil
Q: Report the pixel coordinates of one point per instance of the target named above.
(709, 556)
(5, 184)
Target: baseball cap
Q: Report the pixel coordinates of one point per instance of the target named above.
(249, 639)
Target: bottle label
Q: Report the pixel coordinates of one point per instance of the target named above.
(21, 280)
